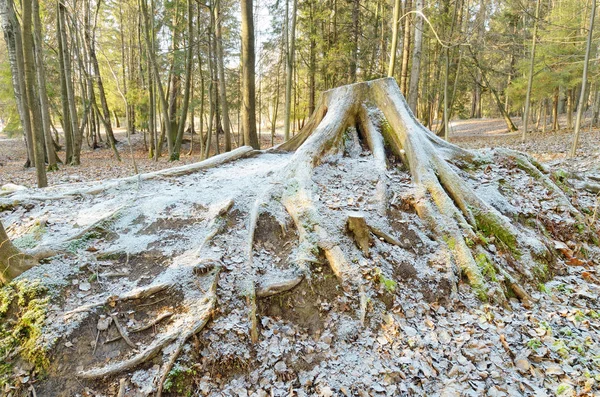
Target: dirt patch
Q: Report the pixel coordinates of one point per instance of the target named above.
(61, 374)
(307, 304)
(275, 239)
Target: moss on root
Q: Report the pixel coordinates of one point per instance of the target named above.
(486, 267)
(491, 226)
(23, 306)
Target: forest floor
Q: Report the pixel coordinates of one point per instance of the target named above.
(99, 164)
(309, 342)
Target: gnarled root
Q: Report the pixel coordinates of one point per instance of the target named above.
(183, 326)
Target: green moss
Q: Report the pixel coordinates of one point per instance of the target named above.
(541, 270)
(23, 306)
(486, 267)
(491, 226)
(534, 343)
(388, 284)
(481, 292)
(450, 242)
(544, 289)
(176, 380)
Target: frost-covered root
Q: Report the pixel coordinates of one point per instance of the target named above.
(184, 325)
(457, 215)
(62, 192)
(137, 293)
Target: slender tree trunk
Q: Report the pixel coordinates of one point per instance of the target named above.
(221, 70)
(415, 71)
(105, 116)
(73, 116)
(555, 100)
(156, 73)
(531, 65)
(188, 81)
(41, 87)
(586, 62)
(12, 36)
(66, 117)
(355, 35)
(248, 84)
(32, 94)
(395, 30)
(405, 50)
(570, 107)
(289, 68)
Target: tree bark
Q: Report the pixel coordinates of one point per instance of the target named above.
(73, 116)
(531, 65)
(157, 80)
(586, 62)
(32, 94)
(415, 71)
(248, 74)
(405, 49)
(222, 81)
(14, 45)
(188, 81)
(290, 40)
(395, 30)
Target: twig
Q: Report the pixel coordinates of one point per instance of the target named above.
(122, 331)
(143, 327)
(122, 385)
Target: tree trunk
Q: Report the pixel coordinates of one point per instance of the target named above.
(290, 48)
(555, 100)
(415, 70)
(157, 80)
(586, 62)
(105, 116)
(32, 94)
(64, 93)
(221, 70)
(531, 65)
(395, 30)
(405, 49)
(70, 89)
(188, 84)
(248, 74)
(14, 45)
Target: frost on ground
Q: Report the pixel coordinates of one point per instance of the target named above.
(255, 276)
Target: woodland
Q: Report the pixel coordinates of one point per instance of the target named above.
(299, 198)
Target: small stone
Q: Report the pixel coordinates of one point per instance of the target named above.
(85, 286)
(326, 392)
(103, 323)
(68, 344)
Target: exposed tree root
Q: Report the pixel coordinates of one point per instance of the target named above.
(474, 240)
(186, 325)
(138, 293)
